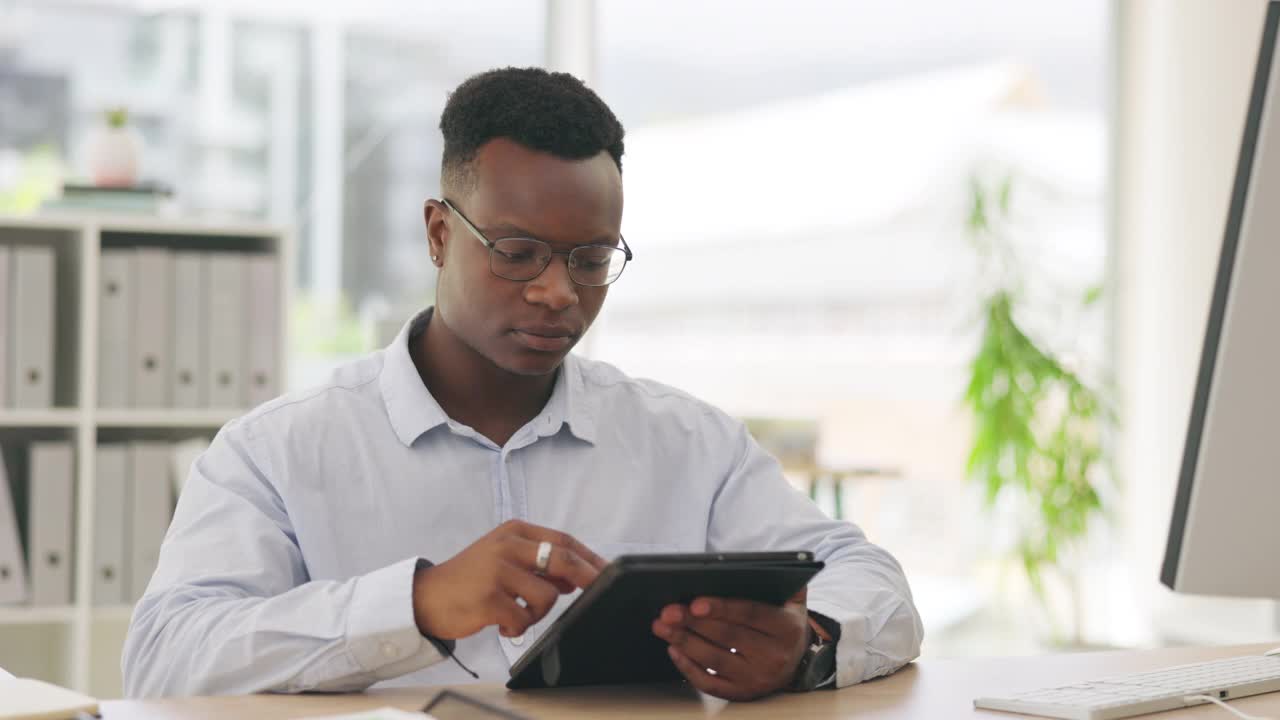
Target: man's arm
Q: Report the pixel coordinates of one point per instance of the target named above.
(231, 609)
(862, 587)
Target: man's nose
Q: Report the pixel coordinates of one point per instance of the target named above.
(553, 288)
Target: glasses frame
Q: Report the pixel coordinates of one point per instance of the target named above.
(490, 244)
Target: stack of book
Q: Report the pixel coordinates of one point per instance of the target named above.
(153, 198)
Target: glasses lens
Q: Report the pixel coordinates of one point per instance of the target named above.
(519, 258)
(596, 264)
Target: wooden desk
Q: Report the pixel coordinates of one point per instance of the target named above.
(929, 690)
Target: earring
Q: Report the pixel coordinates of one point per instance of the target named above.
(435, 259)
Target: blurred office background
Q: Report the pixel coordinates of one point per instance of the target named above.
(801, 180)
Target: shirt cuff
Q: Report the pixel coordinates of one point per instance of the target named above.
(896, 641)
(851, 647)
(381, 634)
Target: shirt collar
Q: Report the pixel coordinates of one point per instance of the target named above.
(414, 411)
(569, 404)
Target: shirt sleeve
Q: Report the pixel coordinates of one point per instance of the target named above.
(231, 610)
(862, 587)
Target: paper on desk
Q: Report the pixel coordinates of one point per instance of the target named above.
(23, 699)
(383, 713)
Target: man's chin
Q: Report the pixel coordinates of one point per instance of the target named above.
(532, 364)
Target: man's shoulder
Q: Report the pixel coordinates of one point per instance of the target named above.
(616, 391)
(352, 386)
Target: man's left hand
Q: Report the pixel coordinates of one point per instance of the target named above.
(735, 649)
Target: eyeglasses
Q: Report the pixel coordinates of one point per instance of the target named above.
(523, 259)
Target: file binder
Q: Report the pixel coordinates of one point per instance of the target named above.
(109, 524)
(6, 333)
(226, 323)
(32, 316)
(263, 333)
(188, 379)
(13, 569)
(152, 326)
(150, 510)
(50, 519)
(115, 323)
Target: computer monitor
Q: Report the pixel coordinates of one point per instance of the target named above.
(1224, 538)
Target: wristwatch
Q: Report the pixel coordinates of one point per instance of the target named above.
(817, 668)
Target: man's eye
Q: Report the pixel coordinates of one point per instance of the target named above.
(515, 257)
(591, 260)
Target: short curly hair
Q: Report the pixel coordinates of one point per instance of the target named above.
(552, 112)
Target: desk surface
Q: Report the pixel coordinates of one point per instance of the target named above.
(932, 689)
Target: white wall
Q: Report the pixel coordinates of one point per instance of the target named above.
(1185, 70)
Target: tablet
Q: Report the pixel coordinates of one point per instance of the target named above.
(606, 635)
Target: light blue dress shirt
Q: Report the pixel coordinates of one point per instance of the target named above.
(289, 563)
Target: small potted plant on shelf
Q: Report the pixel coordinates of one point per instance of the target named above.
(115, 151)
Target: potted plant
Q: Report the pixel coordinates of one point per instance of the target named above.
(1037, 424)
(115, 151)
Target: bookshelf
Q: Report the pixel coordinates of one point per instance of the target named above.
(79, 645)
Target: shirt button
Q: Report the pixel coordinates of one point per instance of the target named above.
(517, 640)
(389, 650)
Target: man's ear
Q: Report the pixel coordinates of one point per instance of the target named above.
(433, 215)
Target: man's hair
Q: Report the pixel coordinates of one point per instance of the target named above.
(551, 112)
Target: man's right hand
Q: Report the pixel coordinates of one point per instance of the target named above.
(479, 586)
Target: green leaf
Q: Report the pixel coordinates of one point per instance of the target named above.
(1006, 192)
(117, 117)
(978, 208)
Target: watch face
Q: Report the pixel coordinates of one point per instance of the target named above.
(818, 665)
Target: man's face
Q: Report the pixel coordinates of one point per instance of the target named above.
(525, 327)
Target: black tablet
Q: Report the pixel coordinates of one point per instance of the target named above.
(606, 637)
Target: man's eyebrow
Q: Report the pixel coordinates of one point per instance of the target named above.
(500, 230)
(504, 229)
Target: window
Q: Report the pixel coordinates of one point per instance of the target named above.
(322, 117)
(797, 178)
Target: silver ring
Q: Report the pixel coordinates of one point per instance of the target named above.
(543, 558)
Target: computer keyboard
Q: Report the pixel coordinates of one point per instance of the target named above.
(1147, 692)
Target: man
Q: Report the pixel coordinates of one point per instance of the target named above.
(445, 495)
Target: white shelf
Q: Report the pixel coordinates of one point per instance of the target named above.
(113, 613)
(108, 221)
(161, 418)
(42, 222)
(27, 615)
(89, 655)
(39, 418)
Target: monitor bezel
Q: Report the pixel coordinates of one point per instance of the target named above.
(1221, 292)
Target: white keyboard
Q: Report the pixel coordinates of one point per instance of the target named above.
(1140, 693)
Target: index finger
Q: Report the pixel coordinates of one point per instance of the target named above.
(563, 564)
(564, 540)
(767, 619)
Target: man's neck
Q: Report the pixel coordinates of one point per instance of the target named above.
(474, 391)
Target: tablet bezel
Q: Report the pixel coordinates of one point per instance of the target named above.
(625, 565)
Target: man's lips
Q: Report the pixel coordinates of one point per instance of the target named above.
(545, 339)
